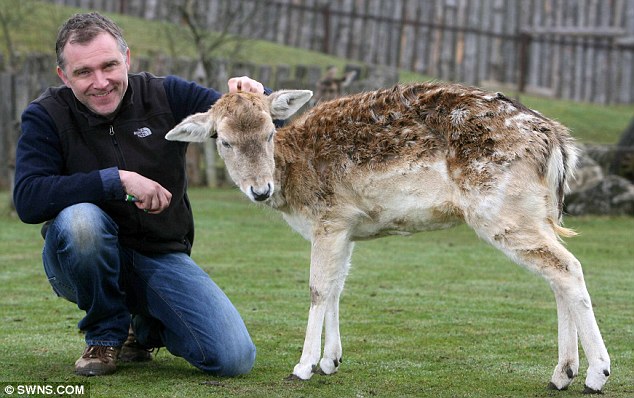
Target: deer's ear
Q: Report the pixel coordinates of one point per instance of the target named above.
(285, 103)
(198, 127)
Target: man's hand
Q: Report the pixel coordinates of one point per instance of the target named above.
(150, 195)
(246, 84)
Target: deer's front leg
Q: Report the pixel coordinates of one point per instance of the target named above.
(332, 342)
(312, 342)
(332, 346)
(330, 256)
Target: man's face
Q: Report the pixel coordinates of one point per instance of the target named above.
(97, 72)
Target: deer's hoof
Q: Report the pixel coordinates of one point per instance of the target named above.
(293, 378)
(552, 386)
(588, 390)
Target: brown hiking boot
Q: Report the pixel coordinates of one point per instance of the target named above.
(132, 351)
(97, 361)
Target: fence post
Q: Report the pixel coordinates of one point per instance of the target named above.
(523, 61)
(326, 16)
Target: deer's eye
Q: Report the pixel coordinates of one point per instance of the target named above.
(225, 144)
(270, 137)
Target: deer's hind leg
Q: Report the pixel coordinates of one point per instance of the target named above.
(568, 365)
(563, 271)
(543, 261)
(532, 242)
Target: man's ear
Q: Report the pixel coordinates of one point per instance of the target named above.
(62, 76)
(285, 103)
(127, 59)
(198, 127)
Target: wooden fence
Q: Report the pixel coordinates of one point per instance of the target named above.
(575, 49)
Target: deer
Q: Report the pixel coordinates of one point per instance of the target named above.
(399, 160)
(330, 86)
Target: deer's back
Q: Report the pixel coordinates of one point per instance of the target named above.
(407, 123)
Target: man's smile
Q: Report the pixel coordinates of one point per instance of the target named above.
(101, 95)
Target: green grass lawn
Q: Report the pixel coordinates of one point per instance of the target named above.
(438, 314)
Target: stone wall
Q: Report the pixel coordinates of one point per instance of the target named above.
(596, 189)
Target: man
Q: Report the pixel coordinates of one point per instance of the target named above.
(92, 163)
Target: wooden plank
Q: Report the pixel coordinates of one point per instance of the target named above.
(341, 28)
(469, 70)
(330, 16)
(534, 64)
(287, 13)
(282, 23)
(626, 87)
(545, 49)
(460, 23)
(567, 65)
(382, 33)
(150, 10)
(395, 27)
(436, 39)
(299, 21)
(311, 27)
(292, 30)
(448, 41)
(484, 42)
(496, 61)
(407, 39)
(356, 39)
(615, 66)
(510, 43)
(557, 19)
(602, 54)
(422, 36)
(577, 80)
(587, 90)
(370, 47)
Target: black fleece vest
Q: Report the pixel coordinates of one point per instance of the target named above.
(133, 140)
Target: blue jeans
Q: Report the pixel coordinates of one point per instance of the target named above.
(174, 303)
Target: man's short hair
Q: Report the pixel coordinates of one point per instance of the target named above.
(83, 28)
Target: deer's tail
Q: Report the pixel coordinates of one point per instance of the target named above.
(561, 167)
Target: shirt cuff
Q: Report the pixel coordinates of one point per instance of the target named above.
(111, 183)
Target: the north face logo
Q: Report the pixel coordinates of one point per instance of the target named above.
(143, 132)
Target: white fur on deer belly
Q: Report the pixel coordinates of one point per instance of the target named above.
(405, 200)
(405, 216)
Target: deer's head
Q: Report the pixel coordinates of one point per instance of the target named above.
(243, 125)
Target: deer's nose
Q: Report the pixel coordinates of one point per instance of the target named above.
(261, 194)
